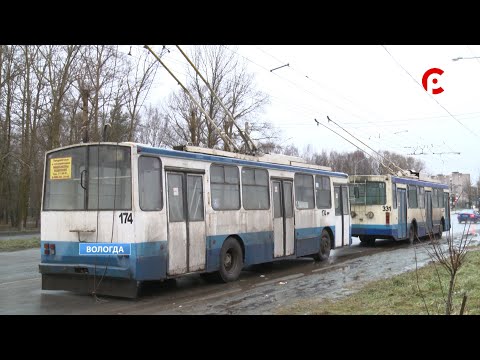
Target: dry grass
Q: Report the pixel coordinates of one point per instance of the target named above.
(19, 244)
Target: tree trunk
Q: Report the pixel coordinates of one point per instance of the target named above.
(451, 286)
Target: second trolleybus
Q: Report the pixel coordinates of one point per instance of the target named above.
(398, 208)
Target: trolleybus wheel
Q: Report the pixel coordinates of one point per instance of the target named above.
(325, 246)
(231, 260)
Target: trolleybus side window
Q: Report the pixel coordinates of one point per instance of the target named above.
(255, 189)
(150, 183)
(304, 198)
(421, 197)
(322, 186)
(412, 197)
(225, 187)
(346, 207)
(441, 203)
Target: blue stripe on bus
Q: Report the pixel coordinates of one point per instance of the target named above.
(379, 230)
(221, 159)
(307, 240)
(148, 261)
(259, 246)
(389, 230)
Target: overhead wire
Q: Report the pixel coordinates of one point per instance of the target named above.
(307, 91)
(311, 110)
(306, 76)
(321, 85)
(388, 168)
(376, 152)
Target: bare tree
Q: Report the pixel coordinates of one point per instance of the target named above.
(60, 67)
(448, 256)
(139, 80)
(103, 67)
(234, 86)
(404, 162)
(153, 130)
(8, 85)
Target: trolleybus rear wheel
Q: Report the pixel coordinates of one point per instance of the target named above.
(231, 260)
(325, 247)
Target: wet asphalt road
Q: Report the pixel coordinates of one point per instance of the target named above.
(260, 290)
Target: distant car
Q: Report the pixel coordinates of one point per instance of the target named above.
(468, 215)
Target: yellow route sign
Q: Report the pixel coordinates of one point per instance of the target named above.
(61, 168)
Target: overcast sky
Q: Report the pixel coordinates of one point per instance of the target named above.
(374, 92)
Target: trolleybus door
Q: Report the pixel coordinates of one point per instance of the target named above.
(186, 223)
(402, 214)
(283, 220)
(428, 211)
(342, 215)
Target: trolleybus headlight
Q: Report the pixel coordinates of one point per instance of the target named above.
(370, 215)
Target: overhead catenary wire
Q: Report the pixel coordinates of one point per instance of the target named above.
(308, 77)
(380, 161)
(402, 170)
(391, 143)
(225, 138)
(295, 84)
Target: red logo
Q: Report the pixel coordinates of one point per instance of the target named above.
(425, 77)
